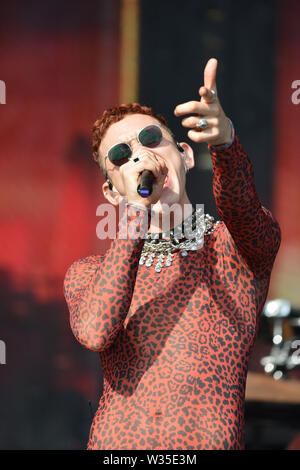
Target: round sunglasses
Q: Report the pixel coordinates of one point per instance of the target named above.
(150, 136)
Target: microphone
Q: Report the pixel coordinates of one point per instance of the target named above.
(144, 189)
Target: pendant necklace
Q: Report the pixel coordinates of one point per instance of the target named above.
(160, 250)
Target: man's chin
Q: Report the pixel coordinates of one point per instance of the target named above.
(168, 197)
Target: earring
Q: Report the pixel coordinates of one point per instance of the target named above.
(181, 149)
(109, 183)
(185, 160)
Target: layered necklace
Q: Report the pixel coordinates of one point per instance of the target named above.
(159, 250)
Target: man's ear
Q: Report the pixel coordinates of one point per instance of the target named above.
(188, 155)
(112, 195)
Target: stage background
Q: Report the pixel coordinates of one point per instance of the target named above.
(63, 64)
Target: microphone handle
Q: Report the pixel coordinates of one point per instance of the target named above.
(144, 188)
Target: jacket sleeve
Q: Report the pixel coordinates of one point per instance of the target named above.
(252, 226)
(98, 289)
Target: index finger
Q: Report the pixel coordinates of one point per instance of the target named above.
(210, 73)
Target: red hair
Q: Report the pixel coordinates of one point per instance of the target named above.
(115, 114)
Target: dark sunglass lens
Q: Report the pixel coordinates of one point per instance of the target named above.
(119, 154)
(150, 136)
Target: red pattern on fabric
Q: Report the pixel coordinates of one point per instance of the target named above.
(175, 346)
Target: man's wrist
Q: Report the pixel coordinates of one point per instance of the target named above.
(228, 144)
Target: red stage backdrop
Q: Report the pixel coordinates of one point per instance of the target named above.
(58, 79)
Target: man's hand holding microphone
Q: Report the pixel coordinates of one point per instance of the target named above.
(131, 175)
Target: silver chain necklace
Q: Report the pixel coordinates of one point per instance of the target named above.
(163, 250)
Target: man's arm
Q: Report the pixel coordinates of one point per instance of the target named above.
(98, 291)
(253, 228)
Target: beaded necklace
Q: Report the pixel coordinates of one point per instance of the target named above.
(195, 227)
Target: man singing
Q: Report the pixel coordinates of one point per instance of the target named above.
(174, 322)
